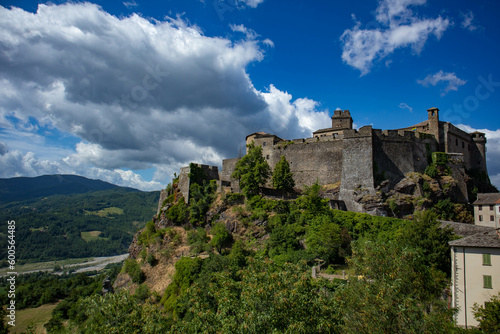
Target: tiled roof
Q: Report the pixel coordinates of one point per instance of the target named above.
(488, 239)
(465, 230)
(487, 198)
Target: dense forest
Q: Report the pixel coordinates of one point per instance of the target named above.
(98, 223)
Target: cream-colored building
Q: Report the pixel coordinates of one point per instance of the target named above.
(487, 210)
(475, 273)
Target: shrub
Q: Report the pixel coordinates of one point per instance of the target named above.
(134, 270)
(151, 259)
(178, 213)
(236, 198)
(431, 171)
(142, 293)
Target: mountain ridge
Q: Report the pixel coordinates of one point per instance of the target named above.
(27, 188)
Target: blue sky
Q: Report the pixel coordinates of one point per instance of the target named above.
(129, 92)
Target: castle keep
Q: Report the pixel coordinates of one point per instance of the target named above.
(358, 159)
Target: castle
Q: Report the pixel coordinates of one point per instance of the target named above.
(357, 159)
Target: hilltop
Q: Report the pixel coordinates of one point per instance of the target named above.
(28, 188)
(67, 216)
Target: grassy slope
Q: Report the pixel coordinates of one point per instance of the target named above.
(38, 316)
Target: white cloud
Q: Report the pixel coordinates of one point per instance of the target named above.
(15, 163)
(268, 42)
(130, 4)
(493, 151)
(403, 105)
(249, 33)
(467, 21)
(293, 119)
(453, 82)
(131, 94)
(399, 28)
(252, 3)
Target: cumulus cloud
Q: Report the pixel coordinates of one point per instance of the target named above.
(450, 79)
(493, 151)
(16, 163)
(132, 93)
(398, 28)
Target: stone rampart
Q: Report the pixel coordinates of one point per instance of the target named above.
(357, 167)
(310, 160)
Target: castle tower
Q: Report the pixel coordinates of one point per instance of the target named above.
(433, 115)
(341, 120)
(479, 151)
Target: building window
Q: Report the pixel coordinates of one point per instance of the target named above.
(480, 207)
(456, 142)
(487, 283)
(264, 144)
(480, 218)
(486, 259)
(492, 218)
(267, 157)
(463, 145)
(491, 208)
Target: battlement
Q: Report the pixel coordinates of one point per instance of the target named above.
(341, 113)
(365, 131)
(394, 134)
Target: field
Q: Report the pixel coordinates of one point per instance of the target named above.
(37, 316)
(111, 211)
(92, 235)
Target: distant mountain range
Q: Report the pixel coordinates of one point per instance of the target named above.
(27, 188)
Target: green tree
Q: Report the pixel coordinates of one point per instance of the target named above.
(3, 321)
(200, 198)
(324, 239)
(311, 202)
(425, 232)
(221, 237)
(262, 298)
(397, 292)
(489, 315)
(252, 171)
(283, 177)
(121, 313)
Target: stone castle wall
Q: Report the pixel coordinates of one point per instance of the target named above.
(212, 173)
(357, 166)
(356, 160)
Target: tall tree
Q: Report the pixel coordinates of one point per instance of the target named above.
(402, 294)
(252, 170)
(283, 177)
(221, 237)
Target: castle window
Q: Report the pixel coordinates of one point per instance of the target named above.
(264, 144)
(456, 142)
(463, 144)
(267, 157)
